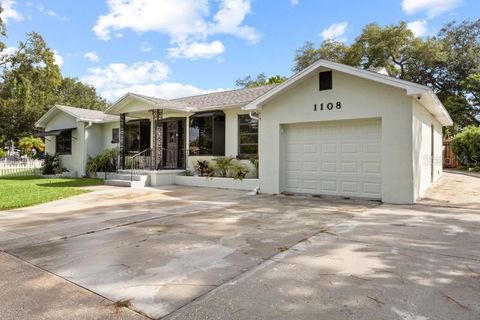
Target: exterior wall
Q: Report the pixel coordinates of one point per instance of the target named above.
(360, 99)
(107, 135)
(94, 139)
(74, 162)
(422, 157)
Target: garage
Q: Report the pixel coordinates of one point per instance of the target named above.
(341, 158)
(337, 130)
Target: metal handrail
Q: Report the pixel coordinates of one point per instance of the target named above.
(136, 161)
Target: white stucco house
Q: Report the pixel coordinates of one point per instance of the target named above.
(329, 130)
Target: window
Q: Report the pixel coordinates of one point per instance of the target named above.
(247, 136)
(325, 80)
(207, 134)
(115, 135)
(63, 142)
(137, 136)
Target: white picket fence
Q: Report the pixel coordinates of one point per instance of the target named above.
(20, 168)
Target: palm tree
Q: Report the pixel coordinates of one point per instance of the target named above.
(29, 143)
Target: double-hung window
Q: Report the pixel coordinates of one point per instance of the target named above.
(247, 136)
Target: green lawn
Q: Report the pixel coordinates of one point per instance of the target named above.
(17, 192)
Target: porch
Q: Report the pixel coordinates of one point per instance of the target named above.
(152, 135)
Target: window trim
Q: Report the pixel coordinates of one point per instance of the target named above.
(239, 144)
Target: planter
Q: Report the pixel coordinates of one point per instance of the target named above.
(216, 182)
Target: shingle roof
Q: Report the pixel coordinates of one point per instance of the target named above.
(87, 114)
(225, 98)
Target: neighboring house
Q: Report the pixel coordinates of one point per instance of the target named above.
(75, 133)
(330, 129)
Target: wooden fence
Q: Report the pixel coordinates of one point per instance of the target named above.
(20, 168)
(450, 160)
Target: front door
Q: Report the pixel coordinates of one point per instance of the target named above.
(171, 144)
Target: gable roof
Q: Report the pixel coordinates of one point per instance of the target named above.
(427, 98)
(215, 100)
(80, 114)
(237, 97)
(155, 103)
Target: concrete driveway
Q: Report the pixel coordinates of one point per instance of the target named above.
(190, 253)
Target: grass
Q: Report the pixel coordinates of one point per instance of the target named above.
(18, 192)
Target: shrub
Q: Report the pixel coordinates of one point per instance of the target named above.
(238, 170)
(254, 163)
(3, 153)
(51, 165)
(202, 167)
(222, 165)
(466, 146)
(107, 161)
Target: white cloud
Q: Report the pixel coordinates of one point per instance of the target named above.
(118, 76)
(9, 13)
(197, 50)
(185, 21)
(164, 90)
(146, 77)
(92, 56)
(46, 11)
(146, 47)
(335, 32)
(58, 58)
(419, 28)
(432, 8)
(294, 2)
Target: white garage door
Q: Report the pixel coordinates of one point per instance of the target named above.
(334, 158)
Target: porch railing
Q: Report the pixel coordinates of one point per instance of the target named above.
(140, 161)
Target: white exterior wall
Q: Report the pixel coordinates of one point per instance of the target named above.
(107, 134)
(360, 99)
(422, 121)
(73, 162)
(94, 138)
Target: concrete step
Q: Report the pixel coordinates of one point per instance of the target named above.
(124, 176)
(137, 173)
(118, 183)
(126, 180)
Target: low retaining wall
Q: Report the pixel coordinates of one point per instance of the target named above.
(216, 182)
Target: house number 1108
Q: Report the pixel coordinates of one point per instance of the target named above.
(328, 106)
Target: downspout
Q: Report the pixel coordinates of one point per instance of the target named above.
(253, 116)
(85, 147)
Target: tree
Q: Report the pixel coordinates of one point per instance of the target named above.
(75, 93)
(447, 63)
(31, 83)
(29, 143)
(260, 80)
(328, 50)
(466, 146)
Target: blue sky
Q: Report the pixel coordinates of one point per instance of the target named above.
(171, 48)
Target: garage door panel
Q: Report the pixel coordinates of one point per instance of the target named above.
(336, 158)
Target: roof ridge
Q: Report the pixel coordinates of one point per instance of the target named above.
(224, 91)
